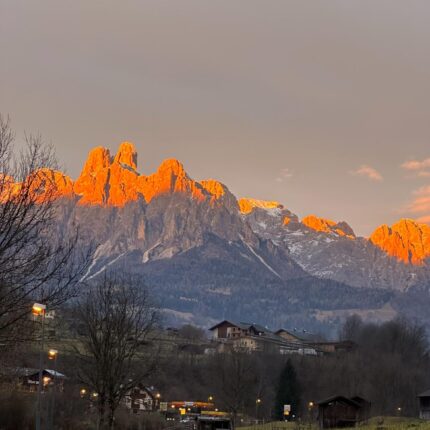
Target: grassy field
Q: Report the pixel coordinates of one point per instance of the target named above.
(377, 423)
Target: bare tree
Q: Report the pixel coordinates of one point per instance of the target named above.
(235, 380)
(117, 317)
(39, 259)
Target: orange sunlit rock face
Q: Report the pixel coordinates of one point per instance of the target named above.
(328, 226)
(107, 180)
(318, 224)
(41, 186)
(92, 182)
(407, 240)
(50, 184)
(248, 205)
(170, 177)
(287, 220)
(213, 187)
(126, 155)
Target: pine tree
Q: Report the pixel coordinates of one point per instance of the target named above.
(288, 392)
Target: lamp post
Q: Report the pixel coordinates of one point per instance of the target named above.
(257, 404)
(310, 409)
(40, 310)
(52, 355)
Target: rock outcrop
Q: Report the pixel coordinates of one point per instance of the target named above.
(406, 240)
(247, 205)
(328, 226)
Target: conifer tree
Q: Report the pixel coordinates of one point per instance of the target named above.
(288, 392)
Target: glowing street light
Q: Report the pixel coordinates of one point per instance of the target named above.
(83, 392)
(37, 310)
(257, 404)
(210, 398)
(52, 354)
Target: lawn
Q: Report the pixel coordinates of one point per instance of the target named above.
(376, 423)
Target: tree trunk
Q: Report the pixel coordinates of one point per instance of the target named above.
(111, 417)
(102, 411)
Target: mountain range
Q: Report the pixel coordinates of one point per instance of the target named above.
(208, 255)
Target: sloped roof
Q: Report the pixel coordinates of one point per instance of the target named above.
(342, 399)
(242, 325)
(360, 400)
(425, 394)
(53, 373)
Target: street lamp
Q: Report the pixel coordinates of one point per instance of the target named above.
(210, 398)
(52, 355)
(257, 403)
(37, 310)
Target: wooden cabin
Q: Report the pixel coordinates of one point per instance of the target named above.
(424, 399)
(340, 411)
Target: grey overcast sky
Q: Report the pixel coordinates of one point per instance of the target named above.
(322, 105)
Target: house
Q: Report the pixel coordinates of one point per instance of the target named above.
(340, 411)
(226, 330)
(142, 399)
(333, 347)
(287, 335)
(255, 338)
(424, 399)
(30, 379)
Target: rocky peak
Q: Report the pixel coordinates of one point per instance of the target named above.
(328, 226)
(48, 184)
(170, 177)
(104, 181)
(406, 240)
(126, 155)
(98, 159)
(215, 188)
(247, 205)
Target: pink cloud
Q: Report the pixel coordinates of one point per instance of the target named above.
(368, 172)
(418, 167)
(420, 203)
(424, 219)
(416, 164)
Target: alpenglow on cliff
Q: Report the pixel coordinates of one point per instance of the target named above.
(208, 254)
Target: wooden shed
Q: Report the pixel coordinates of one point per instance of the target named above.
(424, 399)
(340, 411)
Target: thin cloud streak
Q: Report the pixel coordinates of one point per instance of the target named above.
(421, 204)
(416, 164)
(418, 167)
(284, 174)
(368, 172)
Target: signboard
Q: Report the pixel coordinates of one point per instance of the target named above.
(163, 406)
(287, 409)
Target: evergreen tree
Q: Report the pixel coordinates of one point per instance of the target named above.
(288, 392)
